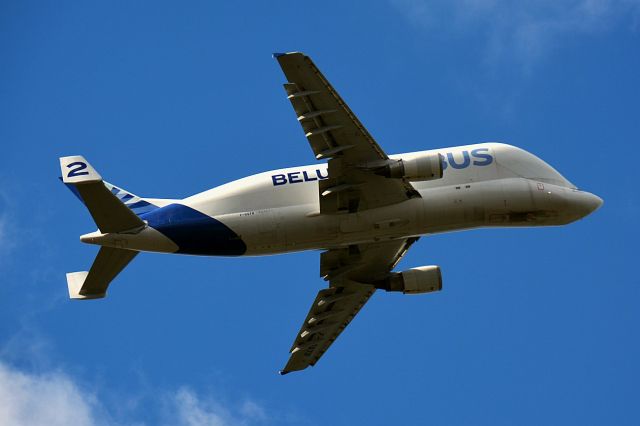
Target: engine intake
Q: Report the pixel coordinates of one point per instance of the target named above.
(424, 279)
(427, 167)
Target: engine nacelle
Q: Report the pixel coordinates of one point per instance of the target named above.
(426, 167)
(423, 279)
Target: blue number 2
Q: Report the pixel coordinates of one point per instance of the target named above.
(79, 165)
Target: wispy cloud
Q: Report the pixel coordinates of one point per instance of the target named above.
(38, 394)
(3, 230)
(49, 399)
(55, 398)
(524, 31)
(191, 410)
(6, 240)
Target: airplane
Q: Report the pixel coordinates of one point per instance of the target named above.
(362, 208)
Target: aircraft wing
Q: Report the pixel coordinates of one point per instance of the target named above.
(334, 132)
(351, 273)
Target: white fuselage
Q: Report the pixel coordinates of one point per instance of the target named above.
(484, 185)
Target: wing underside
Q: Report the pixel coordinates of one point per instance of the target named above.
(335, 133)
(351, 273)
(331, 311)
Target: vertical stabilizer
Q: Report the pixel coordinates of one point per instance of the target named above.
(108, 212)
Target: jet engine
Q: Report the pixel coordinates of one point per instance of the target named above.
(426, 167)
(424, 279)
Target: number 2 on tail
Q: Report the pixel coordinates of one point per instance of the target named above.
(79, 165)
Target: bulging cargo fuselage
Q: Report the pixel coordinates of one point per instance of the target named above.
(483, 185)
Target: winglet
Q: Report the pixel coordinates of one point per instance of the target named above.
(283, 372)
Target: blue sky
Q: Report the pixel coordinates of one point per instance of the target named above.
(533, 326)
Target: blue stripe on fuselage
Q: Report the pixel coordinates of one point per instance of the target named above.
(194, 232)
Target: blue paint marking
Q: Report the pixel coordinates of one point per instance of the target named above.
(138, 204)
(73, 189)
(466, 160)
(279, 180)
(477, 157)
(194, 232)
(294, 177)
(298, 177)
(482, 153)
(140, 207)
(79, 165)
(307, 178)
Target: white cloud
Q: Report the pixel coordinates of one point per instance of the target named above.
(192, 411)
(55, 398)
(524, 30)
(49, 399)
(6, 240)
(3, 231)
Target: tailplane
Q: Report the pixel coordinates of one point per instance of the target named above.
(94, 283)
(114, 211)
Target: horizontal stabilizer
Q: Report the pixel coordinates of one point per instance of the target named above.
(75, 280)
(107, 265)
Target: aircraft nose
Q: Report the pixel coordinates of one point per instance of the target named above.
(586, 203)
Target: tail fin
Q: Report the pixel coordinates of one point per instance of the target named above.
(136, 204)
(109, 210)
(112, 208)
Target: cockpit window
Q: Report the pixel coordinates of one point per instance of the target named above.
(527, 165)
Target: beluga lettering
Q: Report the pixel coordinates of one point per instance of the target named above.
(298, 177)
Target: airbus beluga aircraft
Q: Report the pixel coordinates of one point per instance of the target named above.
(362, 208)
